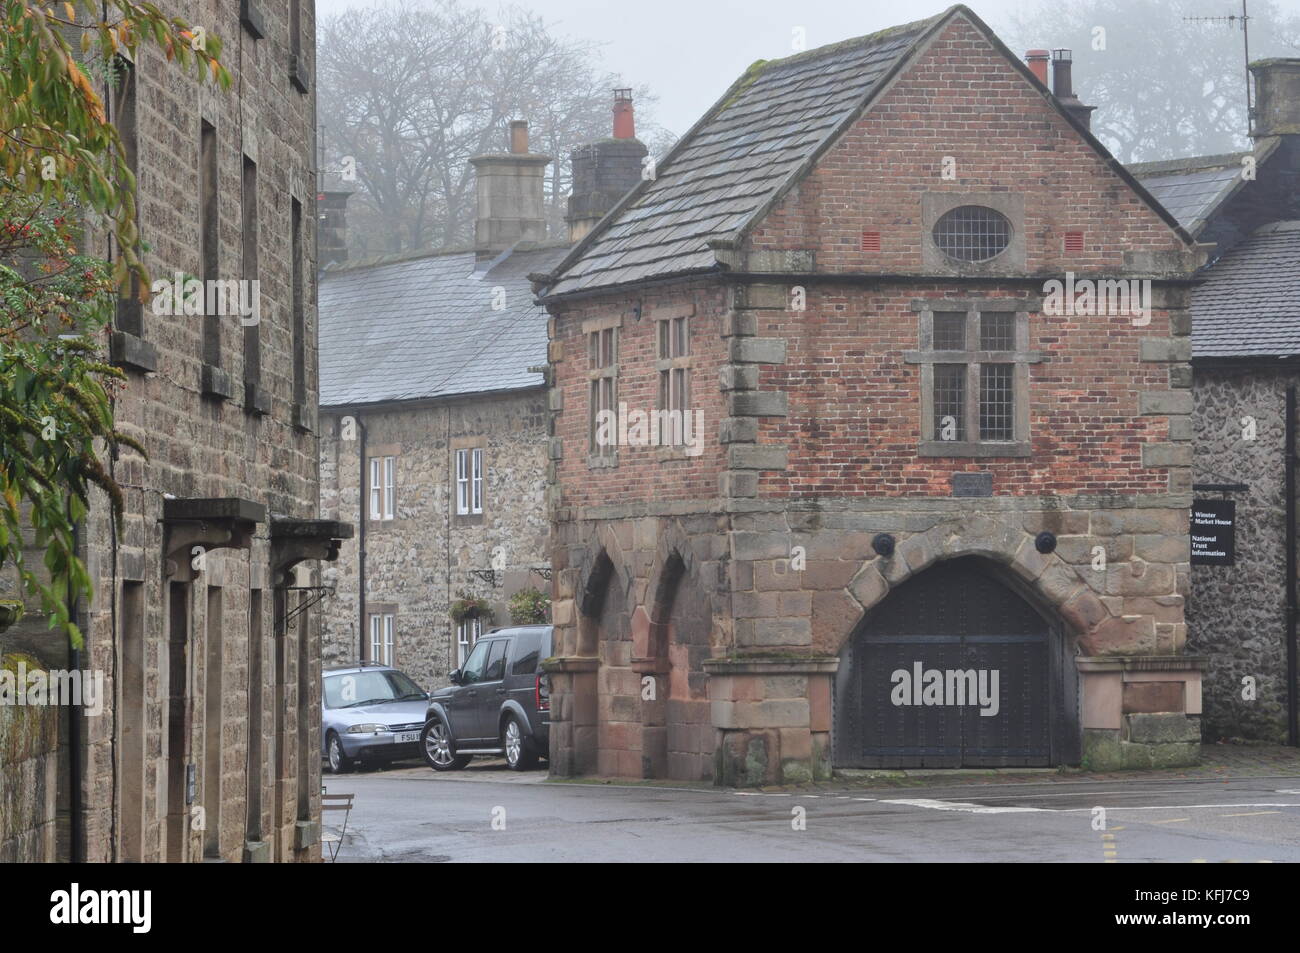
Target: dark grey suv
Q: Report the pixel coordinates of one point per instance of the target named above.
(498, 703)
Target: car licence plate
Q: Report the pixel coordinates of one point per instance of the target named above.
(406, 737)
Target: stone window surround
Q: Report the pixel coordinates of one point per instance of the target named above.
(127, 347)
(1011, 261)
(668, 315)
(972, 357)
(591, 326)
(466, 443)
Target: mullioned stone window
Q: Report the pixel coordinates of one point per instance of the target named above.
(602, 386)
(974, 358)
(674, 369)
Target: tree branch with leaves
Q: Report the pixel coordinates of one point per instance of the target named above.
(64, 172)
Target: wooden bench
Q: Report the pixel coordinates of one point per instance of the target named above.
(335, 802)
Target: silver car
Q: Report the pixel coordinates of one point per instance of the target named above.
(372, 714)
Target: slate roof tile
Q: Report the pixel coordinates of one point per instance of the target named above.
(424, 327)
(727, 169)
(1191, 189)
(1249, 304)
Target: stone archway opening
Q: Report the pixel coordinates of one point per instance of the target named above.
(673, 642)
(592, 605)
(960, 665)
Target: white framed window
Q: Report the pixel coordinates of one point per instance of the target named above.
(467, 634)
(476, 481)
(469, 481)
(382, 638)
(383, 488)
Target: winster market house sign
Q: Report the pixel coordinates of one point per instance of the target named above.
(1214, 524)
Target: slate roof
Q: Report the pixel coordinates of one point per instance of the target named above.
(727, 169)
(1193, 189)
(424, 327)
(1249, 304)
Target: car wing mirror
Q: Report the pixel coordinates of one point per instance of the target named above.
(454, 676)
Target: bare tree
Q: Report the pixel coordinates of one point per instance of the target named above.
(409, 93)
(1165, 87)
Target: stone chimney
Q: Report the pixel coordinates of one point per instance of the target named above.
(606, 170)
(1277, 97)
(509, 193)
(1063, 87)
(332, 235)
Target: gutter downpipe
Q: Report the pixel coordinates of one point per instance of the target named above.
(361, 542)
(78, 846)
(1293, 723)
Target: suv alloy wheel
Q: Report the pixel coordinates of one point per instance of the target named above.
(437, 747)
(520, 753)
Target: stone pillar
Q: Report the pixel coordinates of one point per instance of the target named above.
(1141, 711)
(772, 718)
(573, 715)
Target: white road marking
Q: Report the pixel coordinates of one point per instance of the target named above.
(968, 808)
(962, 806)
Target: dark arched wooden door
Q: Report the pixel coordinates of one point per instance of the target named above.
(953, 669)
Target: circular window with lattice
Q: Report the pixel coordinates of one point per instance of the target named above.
(972, 233)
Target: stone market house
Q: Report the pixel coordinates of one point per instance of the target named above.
(434, 415)
(1246, 370)
(933, 520)
(208, 746)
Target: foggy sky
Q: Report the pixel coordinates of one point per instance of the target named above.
(690, 51)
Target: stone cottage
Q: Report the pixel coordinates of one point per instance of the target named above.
(1246, 369)
(203, 625)
(871, 433)
(434, 415)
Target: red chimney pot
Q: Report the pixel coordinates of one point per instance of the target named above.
(519, 136)
(624, 120)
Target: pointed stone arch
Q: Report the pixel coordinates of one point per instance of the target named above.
(1044, 579)
(960, 616)
(674, 560)
(671, 638)
(603, 565)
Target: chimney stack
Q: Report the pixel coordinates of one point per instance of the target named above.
(1277, 97)
(332, 234)
(1063, 87)
(509, 193)
(1037, 60)
(606, 170)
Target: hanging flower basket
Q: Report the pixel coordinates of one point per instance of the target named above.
(470, 607)
(11, 610)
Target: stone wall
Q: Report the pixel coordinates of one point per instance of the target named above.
(207, 436)
(29, 738)
(1237, 614)
(421, 561)
(776, 633)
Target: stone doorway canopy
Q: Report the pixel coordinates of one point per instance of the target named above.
(197, 526)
